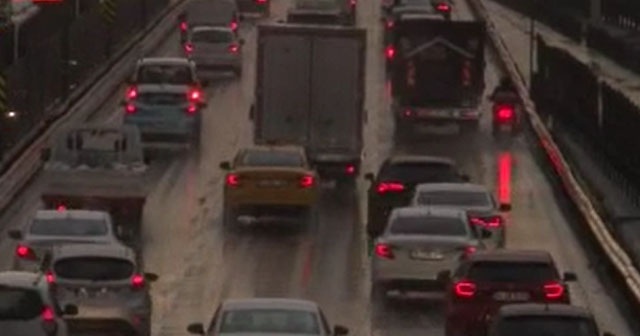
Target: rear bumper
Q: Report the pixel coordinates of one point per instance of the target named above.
(412, 285)
(426, 115)
(386, 271)
(296, 198)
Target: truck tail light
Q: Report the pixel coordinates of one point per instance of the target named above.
(50, 277)
(553, 291)
(25, 252)
(48, 318)
(307, 181)
(384, 251)
(389, 187)
(464, 289)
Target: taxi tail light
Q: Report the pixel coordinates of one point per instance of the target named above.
(390, 52)
(350, 169)
(488, 222)
(233, 25)
(504, 113)
(443, 7)
(384, 251)
(553, 291)
(234, 48)
(25, 252)
(132, 93)
(232, 180)
(138, 281)
(464, 289)
(188, 47)
(307, 181)
(389, 187)
(184, 26)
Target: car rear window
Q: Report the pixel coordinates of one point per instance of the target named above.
(499, 271)
(162, 98)
(317, 4)
(546, 326)
(94, 268)
(454, 198)
(69, 227)
(276, 321)
(420, 173)
(165, 74)
(271, 159)
(422, 225)
(19, 304)
(212, 36)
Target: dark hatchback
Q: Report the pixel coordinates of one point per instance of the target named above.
(486, 281)
(396, 180)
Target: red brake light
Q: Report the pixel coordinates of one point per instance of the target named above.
(490, 222)
(61, 208)
(384, 251)
(132, 93)
(464, 289)
(233, 180)
(195, 95)
(350, 169)
(50, 277)
(234, 25)
(553, 290)
(261, 1)
(25, 252)
(130, 108)
(443, 7)
(307, 181)
(234, 48)
(469, 250)
(184, 26)
(504, 113)
(188, 47)
(48, 315)
(390, 52)
(386, 187)
(192, 109)
(353, 3)
(389, 24)
(137, 281)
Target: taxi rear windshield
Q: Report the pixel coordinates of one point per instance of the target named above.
(499, 271)
(212, 36)
(19, 304)
(272, 159)
(94, 269)
(546, 325)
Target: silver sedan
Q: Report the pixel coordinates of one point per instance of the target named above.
(482, 208)
(418, 245)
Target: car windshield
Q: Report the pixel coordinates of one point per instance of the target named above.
(420, 173)
(165, 74)
(19, 304)
(277, 321)
(94, 268)
(428, 225)
(212, 36)
(69, 227)
(454, 198)
(546, 326)
(272, 159)
(504, 271)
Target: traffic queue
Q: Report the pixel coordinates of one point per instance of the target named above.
(78, 265)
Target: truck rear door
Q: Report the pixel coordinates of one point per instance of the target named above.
(283, 86)
(336, 94)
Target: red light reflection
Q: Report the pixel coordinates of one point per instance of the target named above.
(505, 162)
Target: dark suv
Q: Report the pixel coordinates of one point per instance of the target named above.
(485, 281)
(394, 184)
(535, 319)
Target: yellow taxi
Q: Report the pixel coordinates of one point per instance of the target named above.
(263, 180)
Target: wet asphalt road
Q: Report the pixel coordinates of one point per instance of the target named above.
(200, 264)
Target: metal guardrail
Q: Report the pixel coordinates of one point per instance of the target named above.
(614, 252)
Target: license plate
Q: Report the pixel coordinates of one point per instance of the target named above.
(426, 255)
(511, 296)
(271, 183)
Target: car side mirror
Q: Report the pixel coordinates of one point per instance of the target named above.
(339, 330)
(196, 328)
(569, 276)
(465, 177)
(15, 234)
(226, 165)
(70, 310)
(369, 177)
(45, 154)
(152, 277)
(505, 207)
(444, 276)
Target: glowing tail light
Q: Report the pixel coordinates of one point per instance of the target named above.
(25, 252)
(188, 47)
(464, 289)
(553, 291)
(443, 7)
(184, 26)
(192, 109)
(261, 2)
(234, 25)
(195, 95)
(61, 208)
(130, 109)
(350, 169)
(504, 113)
(234, 48)
(138, 281)
(232, 180)
(390, 52)
(469, 250)
(384, 251)
(132, 93)
(48, 315)
(390, 187)
(48, 318)
(389, 24)
(50, 277)
(489, 222)
(307, 181)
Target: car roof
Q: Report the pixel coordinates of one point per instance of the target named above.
(118, 251)
(428, 211)
(164, 61)
(75, 214)
(508, 255)
(400, 159)
(541, 309)
(20, 279)
(470, 187)
(270, 303)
